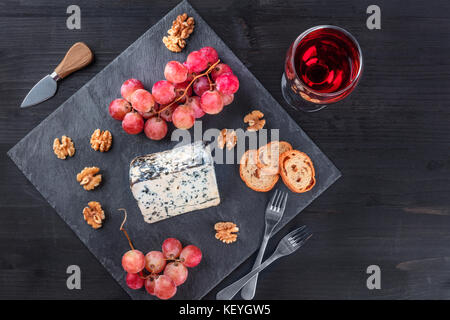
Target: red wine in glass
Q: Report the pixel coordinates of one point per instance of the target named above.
(323, 66)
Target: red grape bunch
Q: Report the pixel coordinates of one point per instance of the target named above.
(167, 269)
(200, 85)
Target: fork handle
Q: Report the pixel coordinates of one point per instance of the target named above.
(229, 292)
(248, 291)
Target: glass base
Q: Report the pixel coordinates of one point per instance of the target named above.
(295, 101)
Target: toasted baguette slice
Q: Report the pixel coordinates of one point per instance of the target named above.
(269, 155)
(252, 176)
(297, 171)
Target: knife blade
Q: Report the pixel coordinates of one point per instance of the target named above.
(43, 90)
(77, 57)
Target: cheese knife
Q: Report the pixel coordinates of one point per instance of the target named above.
(78, 56)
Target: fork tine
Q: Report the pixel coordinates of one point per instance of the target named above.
(272, 200)
(301, 239)
(277, 204)
(305, 238)
(296, 232)
(280, 201)
(300, 235)
(283, 206)
(276, 200)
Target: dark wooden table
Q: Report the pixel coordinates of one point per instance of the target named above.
(390, 139)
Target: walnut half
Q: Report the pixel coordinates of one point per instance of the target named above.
(254, 120)
(182, 27)
(89, 178)
(64, 147)
(226, 232)
(101, 140)
(94, 214)
(227, 137)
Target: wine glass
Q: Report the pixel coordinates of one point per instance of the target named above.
(323, 65)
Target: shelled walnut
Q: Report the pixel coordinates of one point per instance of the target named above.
(182, 27)
(94, 214)
(226, 232)
(89, 178)
(101, 140)
(64, 147)
(228, 138)
(254, 120)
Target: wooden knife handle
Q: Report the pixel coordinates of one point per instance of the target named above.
(78, 56)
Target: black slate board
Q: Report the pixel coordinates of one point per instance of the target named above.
(86, 111)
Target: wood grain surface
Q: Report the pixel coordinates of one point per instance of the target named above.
(78, 56)
(390, 139)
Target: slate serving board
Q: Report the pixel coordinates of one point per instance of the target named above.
(86, 111)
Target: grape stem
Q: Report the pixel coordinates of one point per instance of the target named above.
(206, 73)
(141, 274)
(123, 230)
(211, 84)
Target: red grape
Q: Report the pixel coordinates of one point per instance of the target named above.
(150, 285)
(130, 86)
(142, 100)
(227, 83)
(210, 54)
(191, 256)
(118, 108)
(180, 88)
(221, 68)
(133, 123)
(171, 248)
(196, 62)
(201, 85)
(163, 92)
(147, 115)
(167, 113)
(165, 287)
(134, 281)
(211, 102)
(227, 99)
(155, 128)
(177, 271)
(190, 76)
(175, 72)
(194, 103)
(133, 261)
(155, 262)
(183, 117)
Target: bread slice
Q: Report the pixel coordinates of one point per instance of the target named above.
(252, 175)
(269, 155)
(297, 171)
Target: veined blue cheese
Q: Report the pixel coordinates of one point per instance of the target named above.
(173, 182)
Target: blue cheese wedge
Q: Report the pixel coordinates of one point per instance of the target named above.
(173, 182)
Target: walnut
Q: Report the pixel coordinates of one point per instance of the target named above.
(94, 214)
(64, 148)
(89, 178)
(174, 44)
(182, 27)
(226, 232)
(227, 137)
(101, 140)
(254, 120)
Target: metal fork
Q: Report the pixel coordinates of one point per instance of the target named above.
(289, 244)
(274, 213)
